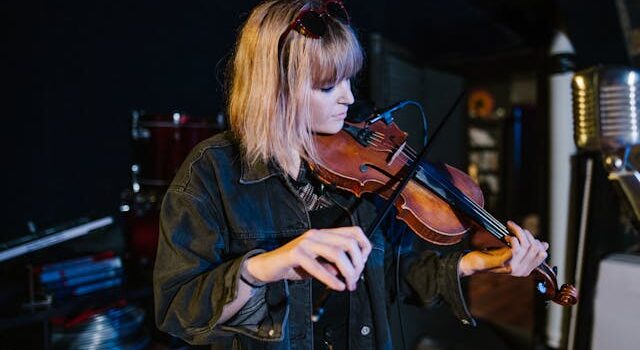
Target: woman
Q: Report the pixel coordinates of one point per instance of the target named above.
(249, 237)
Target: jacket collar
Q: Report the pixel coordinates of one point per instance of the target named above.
(257, 172)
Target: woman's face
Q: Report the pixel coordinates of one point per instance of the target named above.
(329, 106)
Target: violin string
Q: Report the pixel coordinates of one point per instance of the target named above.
(500, 229)
(409, 154)
(489, 220)
(486, 216)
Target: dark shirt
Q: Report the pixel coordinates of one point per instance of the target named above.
(330, 331)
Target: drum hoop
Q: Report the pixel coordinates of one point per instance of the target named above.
(153, 182)
(156, 124)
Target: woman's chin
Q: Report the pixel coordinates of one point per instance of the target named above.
(332, 129)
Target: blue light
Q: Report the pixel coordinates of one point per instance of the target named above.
(517, 139)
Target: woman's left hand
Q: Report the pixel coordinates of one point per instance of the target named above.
(525, 254)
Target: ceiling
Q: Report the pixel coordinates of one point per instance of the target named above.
(458, 28)
(466, 30)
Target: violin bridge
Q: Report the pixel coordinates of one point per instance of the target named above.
(396, 153)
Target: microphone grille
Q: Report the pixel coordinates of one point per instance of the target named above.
(605, 108)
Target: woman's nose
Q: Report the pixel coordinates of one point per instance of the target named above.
(346, 96)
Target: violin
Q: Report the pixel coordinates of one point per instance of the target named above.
(440, 204)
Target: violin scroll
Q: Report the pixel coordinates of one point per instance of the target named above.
(567, 295)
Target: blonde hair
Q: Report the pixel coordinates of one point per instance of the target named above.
(269, 96)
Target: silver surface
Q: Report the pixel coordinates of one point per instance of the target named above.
(605, 108)
(116, 328)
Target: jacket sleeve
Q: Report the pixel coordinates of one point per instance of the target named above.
(428, 276)
(194, 279)
(434, 278)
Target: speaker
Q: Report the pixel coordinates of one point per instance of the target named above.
(617, 303)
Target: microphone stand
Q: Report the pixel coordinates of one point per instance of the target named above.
(319, 305)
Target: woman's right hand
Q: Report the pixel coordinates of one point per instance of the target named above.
(317, 253)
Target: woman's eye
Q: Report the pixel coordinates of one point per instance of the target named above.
(327, 89)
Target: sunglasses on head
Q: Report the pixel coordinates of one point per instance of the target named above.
(312, 23)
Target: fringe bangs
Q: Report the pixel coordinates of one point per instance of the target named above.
(336, 56)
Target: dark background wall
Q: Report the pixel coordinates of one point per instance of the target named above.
(77, 70)
(74, 71)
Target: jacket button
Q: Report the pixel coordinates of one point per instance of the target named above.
(271, 332)
(365, 330)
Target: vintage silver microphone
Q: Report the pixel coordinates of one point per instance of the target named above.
(606, 119)
(605, 112)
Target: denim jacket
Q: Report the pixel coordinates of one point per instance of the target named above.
(219, 210)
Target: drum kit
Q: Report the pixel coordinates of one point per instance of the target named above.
(118, 327)
(160, 144)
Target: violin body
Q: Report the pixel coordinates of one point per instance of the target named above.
(379, 166)
(440, 204)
